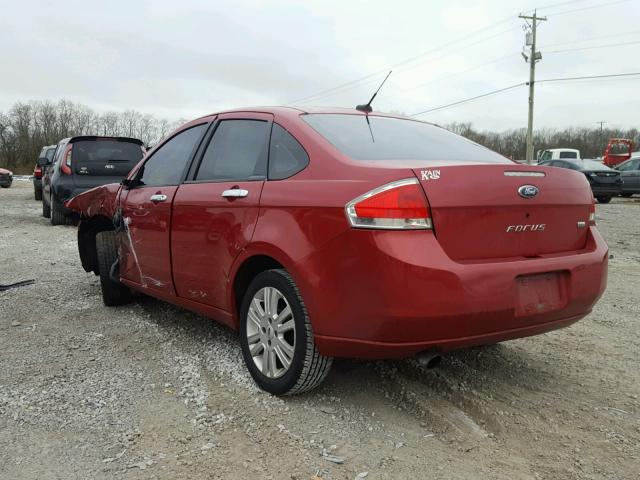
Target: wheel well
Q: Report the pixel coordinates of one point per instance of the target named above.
(247, 272)
(87, 231)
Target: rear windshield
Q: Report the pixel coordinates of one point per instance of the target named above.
(396, 139)
(591, 165)
(106, 151)
(568, 154)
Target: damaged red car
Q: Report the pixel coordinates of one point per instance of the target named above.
(324, 233)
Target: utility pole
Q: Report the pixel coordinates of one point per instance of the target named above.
(532, 58)
(601, 122)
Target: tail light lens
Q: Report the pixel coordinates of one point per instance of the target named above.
(398, 205)
(65, 164)
(592, 214)
(37, 172)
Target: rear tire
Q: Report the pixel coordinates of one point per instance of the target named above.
(46, 209)
(57, 217)
(626, 195)
(603, 199)
(37, 194)
(113, 293)
(307, 367)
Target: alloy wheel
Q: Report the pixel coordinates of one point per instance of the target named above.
(271, 332)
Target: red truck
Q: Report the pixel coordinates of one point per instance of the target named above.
(322, 233)
(618, 150)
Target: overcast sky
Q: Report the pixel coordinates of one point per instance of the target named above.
(182, 59)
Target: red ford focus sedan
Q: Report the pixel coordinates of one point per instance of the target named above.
(332, 233)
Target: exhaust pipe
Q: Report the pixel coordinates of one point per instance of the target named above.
(429, 359)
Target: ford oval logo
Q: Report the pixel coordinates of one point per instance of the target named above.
(528, 191)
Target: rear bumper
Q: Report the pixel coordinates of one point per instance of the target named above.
(63, 193)
(332, 346)
(381, 297)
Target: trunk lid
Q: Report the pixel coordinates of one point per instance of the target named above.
(100, 160)
(486, 211)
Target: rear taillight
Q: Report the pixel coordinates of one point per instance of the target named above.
(592, 214)
(65, 164)
(398, 205)
(37, 172)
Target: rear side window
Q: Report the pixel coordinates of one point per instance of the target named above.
(385, 138)
(50, 152)
(167, 164)
(286, 155)
(568, 154)
(237, 151)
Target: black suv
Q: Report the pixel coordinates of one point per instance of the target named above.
(44, 160)
(81, 163)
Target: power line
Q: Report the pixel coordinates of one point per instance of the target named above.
(460, 72)
(510, 87)
(592, 47)
(372, 76)
(590, 77)
(494, 92)
(591, 7)
(553, 5)
(599, 37)
(395, 66)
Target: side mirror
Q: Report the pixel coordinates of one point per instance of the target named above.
(129, 182)
(43, 161)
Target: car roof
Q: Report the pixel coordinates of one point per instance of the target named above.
(298, 110)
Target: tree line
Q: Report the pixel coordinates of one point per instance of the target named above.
(512, 143)
(27, 126)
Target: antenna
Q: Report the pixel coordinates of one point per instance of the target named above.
(366, 108)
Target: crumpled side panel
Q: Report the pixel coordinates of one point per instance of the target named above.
(97, 201)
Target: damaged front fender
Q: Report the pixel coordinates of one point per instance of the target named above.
(101, 201)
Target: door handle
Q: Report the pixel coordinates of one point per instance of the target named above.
(157, 198)
(235, 193)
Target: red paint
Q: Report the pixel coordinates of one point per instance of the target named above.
(376, 293)
(145, 254)
(99, 201)
(210, 231)
(613, 159)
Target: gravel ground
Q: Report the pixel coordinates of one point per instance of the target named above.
(152, 391)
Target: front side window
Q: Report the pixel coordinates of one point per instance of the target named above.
(546, 155)
(286, 155)
(167, 164)
(237, 151)
(386, 138)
